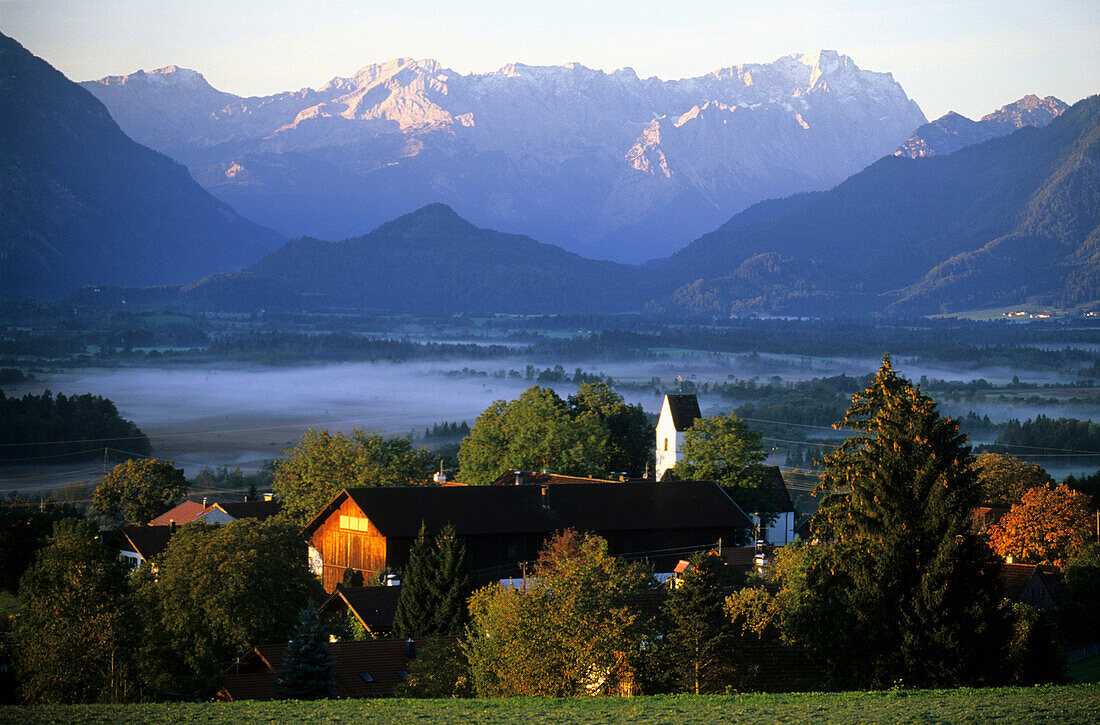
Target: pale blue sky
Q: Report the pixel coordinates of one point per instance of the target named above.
(967, 56)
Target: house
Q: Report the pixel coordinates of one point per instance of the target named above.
(984, 517)
(140, 544)
(771, 499)
(504, 527)
(678, 413)
(1031, 584)
(217, 512)
(184, 513)
(370, 668)
(223, 513)
(374, 607)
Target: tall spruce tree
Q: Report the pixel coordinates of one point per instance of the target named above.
(697, 639)
(903, 594)
(451, 584)
(417, 604)
(307, 665)
(435, 585)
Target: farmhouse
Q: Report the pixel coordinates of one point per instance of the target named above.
(503, 527)
(374, 607)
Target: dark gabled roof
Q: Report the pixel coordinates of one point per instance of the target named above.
(778, 498)
(684, 409)
(472, 510)
(508, 478)
(374, 606)
(250, 509)
(383, 659)
(148, 541)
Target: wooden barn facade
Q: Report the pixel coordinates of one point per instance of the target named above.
(503, 527)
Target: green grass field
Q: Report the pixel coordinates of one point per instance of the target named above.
(1065, 704)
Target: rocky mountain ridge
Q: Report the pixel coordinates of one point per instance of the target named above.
(607, 164)
(952, 131)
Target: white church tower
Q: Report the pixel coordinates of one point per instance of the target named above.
(678, 412)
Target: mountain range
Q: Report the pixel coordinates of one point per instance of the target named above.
(1008, 220)
(1003, 222)
(951, 132)
(81, 203)
(609, 165)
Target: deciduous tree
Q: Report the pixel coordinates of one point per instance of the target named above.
(140, 489)
(535, 431)
(74, 634)
(574, 630)
(1004, 479)
(323, 463)
(630, 435)
(697, 647)
(223, 589)
(1047, 527)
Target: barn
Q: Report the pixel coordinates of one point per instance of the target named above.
(503, 527)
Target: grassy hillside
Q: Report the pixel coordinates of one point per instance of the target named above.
(1069, 704)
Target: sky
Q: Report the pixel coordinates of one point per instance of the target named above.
(968, 56)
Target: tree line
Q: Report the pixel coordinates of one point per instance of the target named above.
(65, 427)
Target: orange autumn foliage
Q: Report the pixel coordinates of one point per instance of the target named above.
(1046, 527)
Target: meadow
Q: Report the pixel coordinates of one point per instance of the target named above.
(1060, 704)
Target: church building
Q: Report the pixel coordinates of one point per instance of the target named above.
(678, 412)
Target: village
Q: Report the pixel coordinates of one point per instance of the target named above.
(713, 562)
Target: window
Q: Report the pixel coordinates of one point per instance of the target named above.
(366, 677)
(403, 674)
(354, 523)
(666, 444)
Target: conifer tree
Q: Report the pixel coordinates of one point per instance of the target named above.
(434, 587)
(418, 601)
(697, 638)
(307, 665)
(903, 594)
(451, 584)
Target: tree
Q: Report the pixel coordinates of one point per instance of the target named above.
(307, 665)
(902, 591)
(440, 669)
(322, 464)
(1081, 616)
(1004, 479)
(722, 448)
(140, 490)
(575, 629)
(24, 529)
(1046, 527)
(435, 585)
(221, 590)
(697, 647)
(630, 435)
(74, 632)
(535, 431)
(416, 604)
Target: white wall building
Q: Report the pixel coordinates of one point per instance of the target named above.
(678, 412)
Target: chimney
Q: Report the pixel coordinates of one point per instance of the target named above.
(410, 648)
(519, 477)
(546, 498)
(172, 525)
(204, 502)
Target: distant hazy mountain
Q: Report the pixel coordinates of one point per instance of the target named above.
(1004, 222)
(80, 203)
(432, 260)
(952, 132)
(610, 165)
